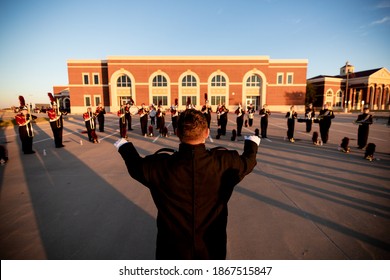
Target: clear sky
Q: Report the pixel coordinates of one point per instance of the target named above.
(38, 37)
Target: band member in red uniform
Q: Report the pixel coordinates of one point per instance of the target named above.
(122, 121)
(191, 188)
(364, 121)
(100, 112)
(143, 118)
(206, 110)
(240, 119)
(26, 132)
(264, 114)
(291, 116)
(56, 122)
(90, 124)
(325, 120)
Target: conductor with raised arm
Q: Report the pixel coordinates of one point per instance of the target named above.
(191, 188)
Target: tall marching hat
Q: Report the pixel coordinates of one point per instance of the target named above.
(52, 99)
(22, 103)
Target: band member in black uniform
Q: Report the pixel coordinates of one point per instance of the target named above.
(143, 118)
(264, 114)
(174, 115)
(128, 116)
(291, 116)
(206, 110)
(90, 124)
(364, 121)
(191, 189)
(160, 114)
(223, 118)
(56, 122)
(239, 119)
(122, 121)
(309, 116)
(26, 132)
(100, 112)
(251, 113)
(325, 120)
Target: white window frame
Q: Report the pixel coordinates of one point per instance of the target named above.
(94, 99)
(86, 75)
(85, 100)
(277, 78)
(288, 75)
(93, 78)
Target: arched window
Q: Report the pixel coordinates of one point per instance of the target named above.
(253, 81)
(160, 81)
(218, 81)
(123, 81)
(189, 81)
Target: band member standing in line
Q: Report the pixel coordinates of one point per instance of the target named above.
(223, 118)
(143, 118)
(325, 120)
(206, 110)
(364, 121)
(56, 122)
(160, 114)
(309, 116)
(100, 112)
(251, 113)
(128, 115)
(239, 119)
(191, 189)
(174, 115)
(90, 124)
(291, 116)
(152, 114)
(26, 132)
(122, 121)
(264, 114)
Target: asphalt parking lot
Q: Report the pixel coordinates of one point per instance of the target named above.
(300, 202)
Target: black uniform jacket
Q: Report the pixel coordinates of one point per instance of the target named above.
(191, 189)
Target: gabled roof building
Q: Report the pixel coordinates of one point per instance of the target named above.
(352, 90)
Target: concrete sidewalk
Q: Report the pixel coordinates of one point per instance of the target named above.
(300, 202)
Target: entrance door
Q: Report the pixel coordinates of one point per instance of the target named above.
(255, 100)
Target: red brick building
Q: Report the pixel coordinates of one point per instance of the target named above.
(352, 90)
(279, 83)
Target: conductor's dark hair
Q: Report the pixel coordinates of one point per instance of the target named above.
(191, 125)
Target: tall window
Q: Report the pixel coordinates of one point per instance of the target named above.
(253, 81)
(96, 79)
(123, 81)
(189, 81)
(160, 81)
(279, 79)
(290, 78)
(86, 79)
(218, 81)
(87, 100)
(97, 100)
(339, 99)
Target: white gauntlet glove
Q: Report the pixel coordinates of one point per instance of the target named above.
(253, 138)
(120, 142)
